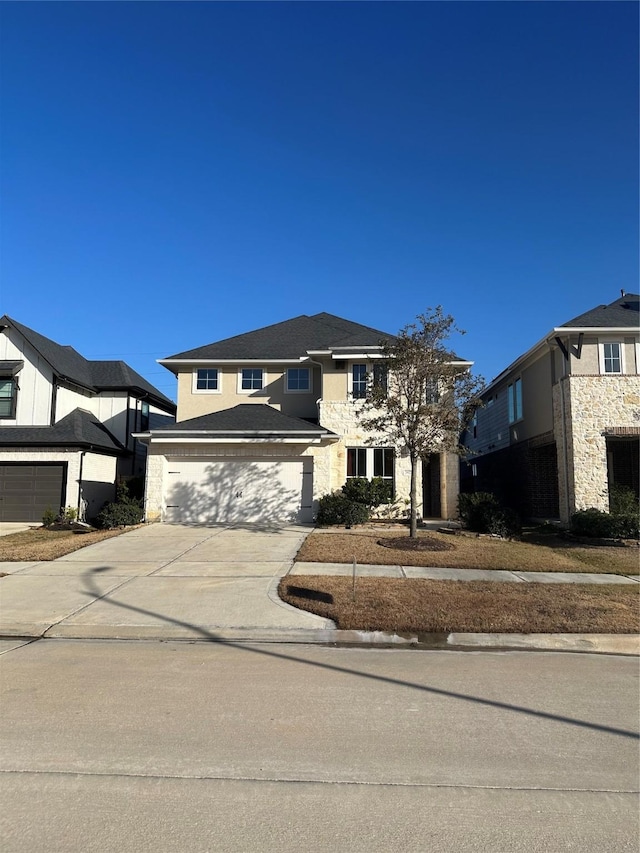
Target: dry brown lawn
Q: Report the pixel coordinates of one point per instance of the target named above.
(41, 544)
(404, 605)
(536, 553)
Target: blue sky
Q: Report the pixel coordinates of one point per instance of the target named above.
(176, 173)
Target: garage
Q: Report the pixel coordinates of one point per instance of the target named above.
(26, 491)
(209, 490)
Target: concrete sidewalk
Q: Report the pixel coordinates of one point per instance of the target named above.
(166, 582)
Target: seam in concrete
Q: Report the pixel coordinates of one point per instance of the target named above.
(294, 780)
(53, 625)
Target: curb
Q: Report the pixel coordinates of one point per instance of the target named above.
(612, 644)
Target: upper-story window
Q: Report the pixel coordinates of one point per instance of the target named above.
(359, 381)
(432, 390)
(251, 379)
(611, 357)
(380, 376)
(514, 396)
(144, 416)
(8, 397)
(299, 379)
(207, 379)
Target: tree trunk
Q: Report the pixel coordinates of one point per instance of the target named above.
(413, 496)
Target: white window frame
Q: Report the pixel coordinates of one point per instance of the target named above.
(601, 358)
(242, 390)
(353, 365)
(308, 390)
(197, 390)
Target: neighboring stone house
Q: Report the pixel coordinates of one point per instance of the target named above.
(561, 425)
(66, 425)
(267, 423)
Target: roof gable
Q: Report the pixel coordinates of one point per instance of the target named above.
(79, 428)
(291, 339)
(247, 418)
(69, 365)
(622, 313)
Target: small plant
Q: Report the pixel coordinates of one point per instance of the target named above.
(48, 517)
(69, 514)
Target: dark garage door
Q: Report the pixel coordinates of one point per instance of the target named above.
(27, 490)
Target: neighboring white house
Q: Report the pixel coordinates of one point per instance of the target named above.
(267, 423)
(67, 424)
(561, 425)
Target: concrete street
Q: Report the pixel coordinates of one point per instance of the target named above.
(182, 746)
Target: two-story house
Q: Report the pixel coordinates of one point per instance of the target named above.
(267, 423)
(67, 424)
(561, 425)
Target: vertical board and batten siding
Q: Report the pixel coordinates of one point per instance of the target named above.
(35, 381)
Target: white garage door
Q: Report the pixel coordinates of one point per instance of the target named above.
(233, 490)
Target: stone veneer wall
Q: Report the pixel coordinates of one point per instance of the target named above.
(585, 410)
(341, 417)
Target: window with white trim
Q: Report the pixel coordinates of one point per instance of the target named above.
(251, 379)
(359, 381)
(372, 462)
(8, 397)
(207, 379)
(298, 379)
(611, 357)
(514, 397)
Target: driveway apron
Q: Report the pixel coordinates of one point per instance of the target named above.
(162, 582)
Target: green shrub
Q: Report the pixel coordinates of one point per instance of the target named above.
(504, 522)
(119, 515)
(475, 510)
(623, 501)
(336, 508)
(595, 523)
(481, 512)
(371, 493)
(48, 517)
(122, 512)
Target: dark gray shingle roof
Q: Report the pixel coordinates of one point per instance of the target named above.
(290, 339)
(78, 429)
(247, 418)
(621, 314)
(68, 364)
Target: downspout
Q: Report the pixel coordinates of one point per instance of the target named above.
(82, 455)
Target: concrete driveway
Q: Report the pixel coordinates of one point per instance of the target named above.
(163, 581)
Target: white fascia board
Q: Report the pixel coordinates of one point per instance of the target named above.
(349, 355)
(167, 362)
(318, 352)
(595, 330)
(233, 440)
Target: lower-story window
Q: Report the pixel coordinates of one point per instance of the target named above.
(371, 462)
